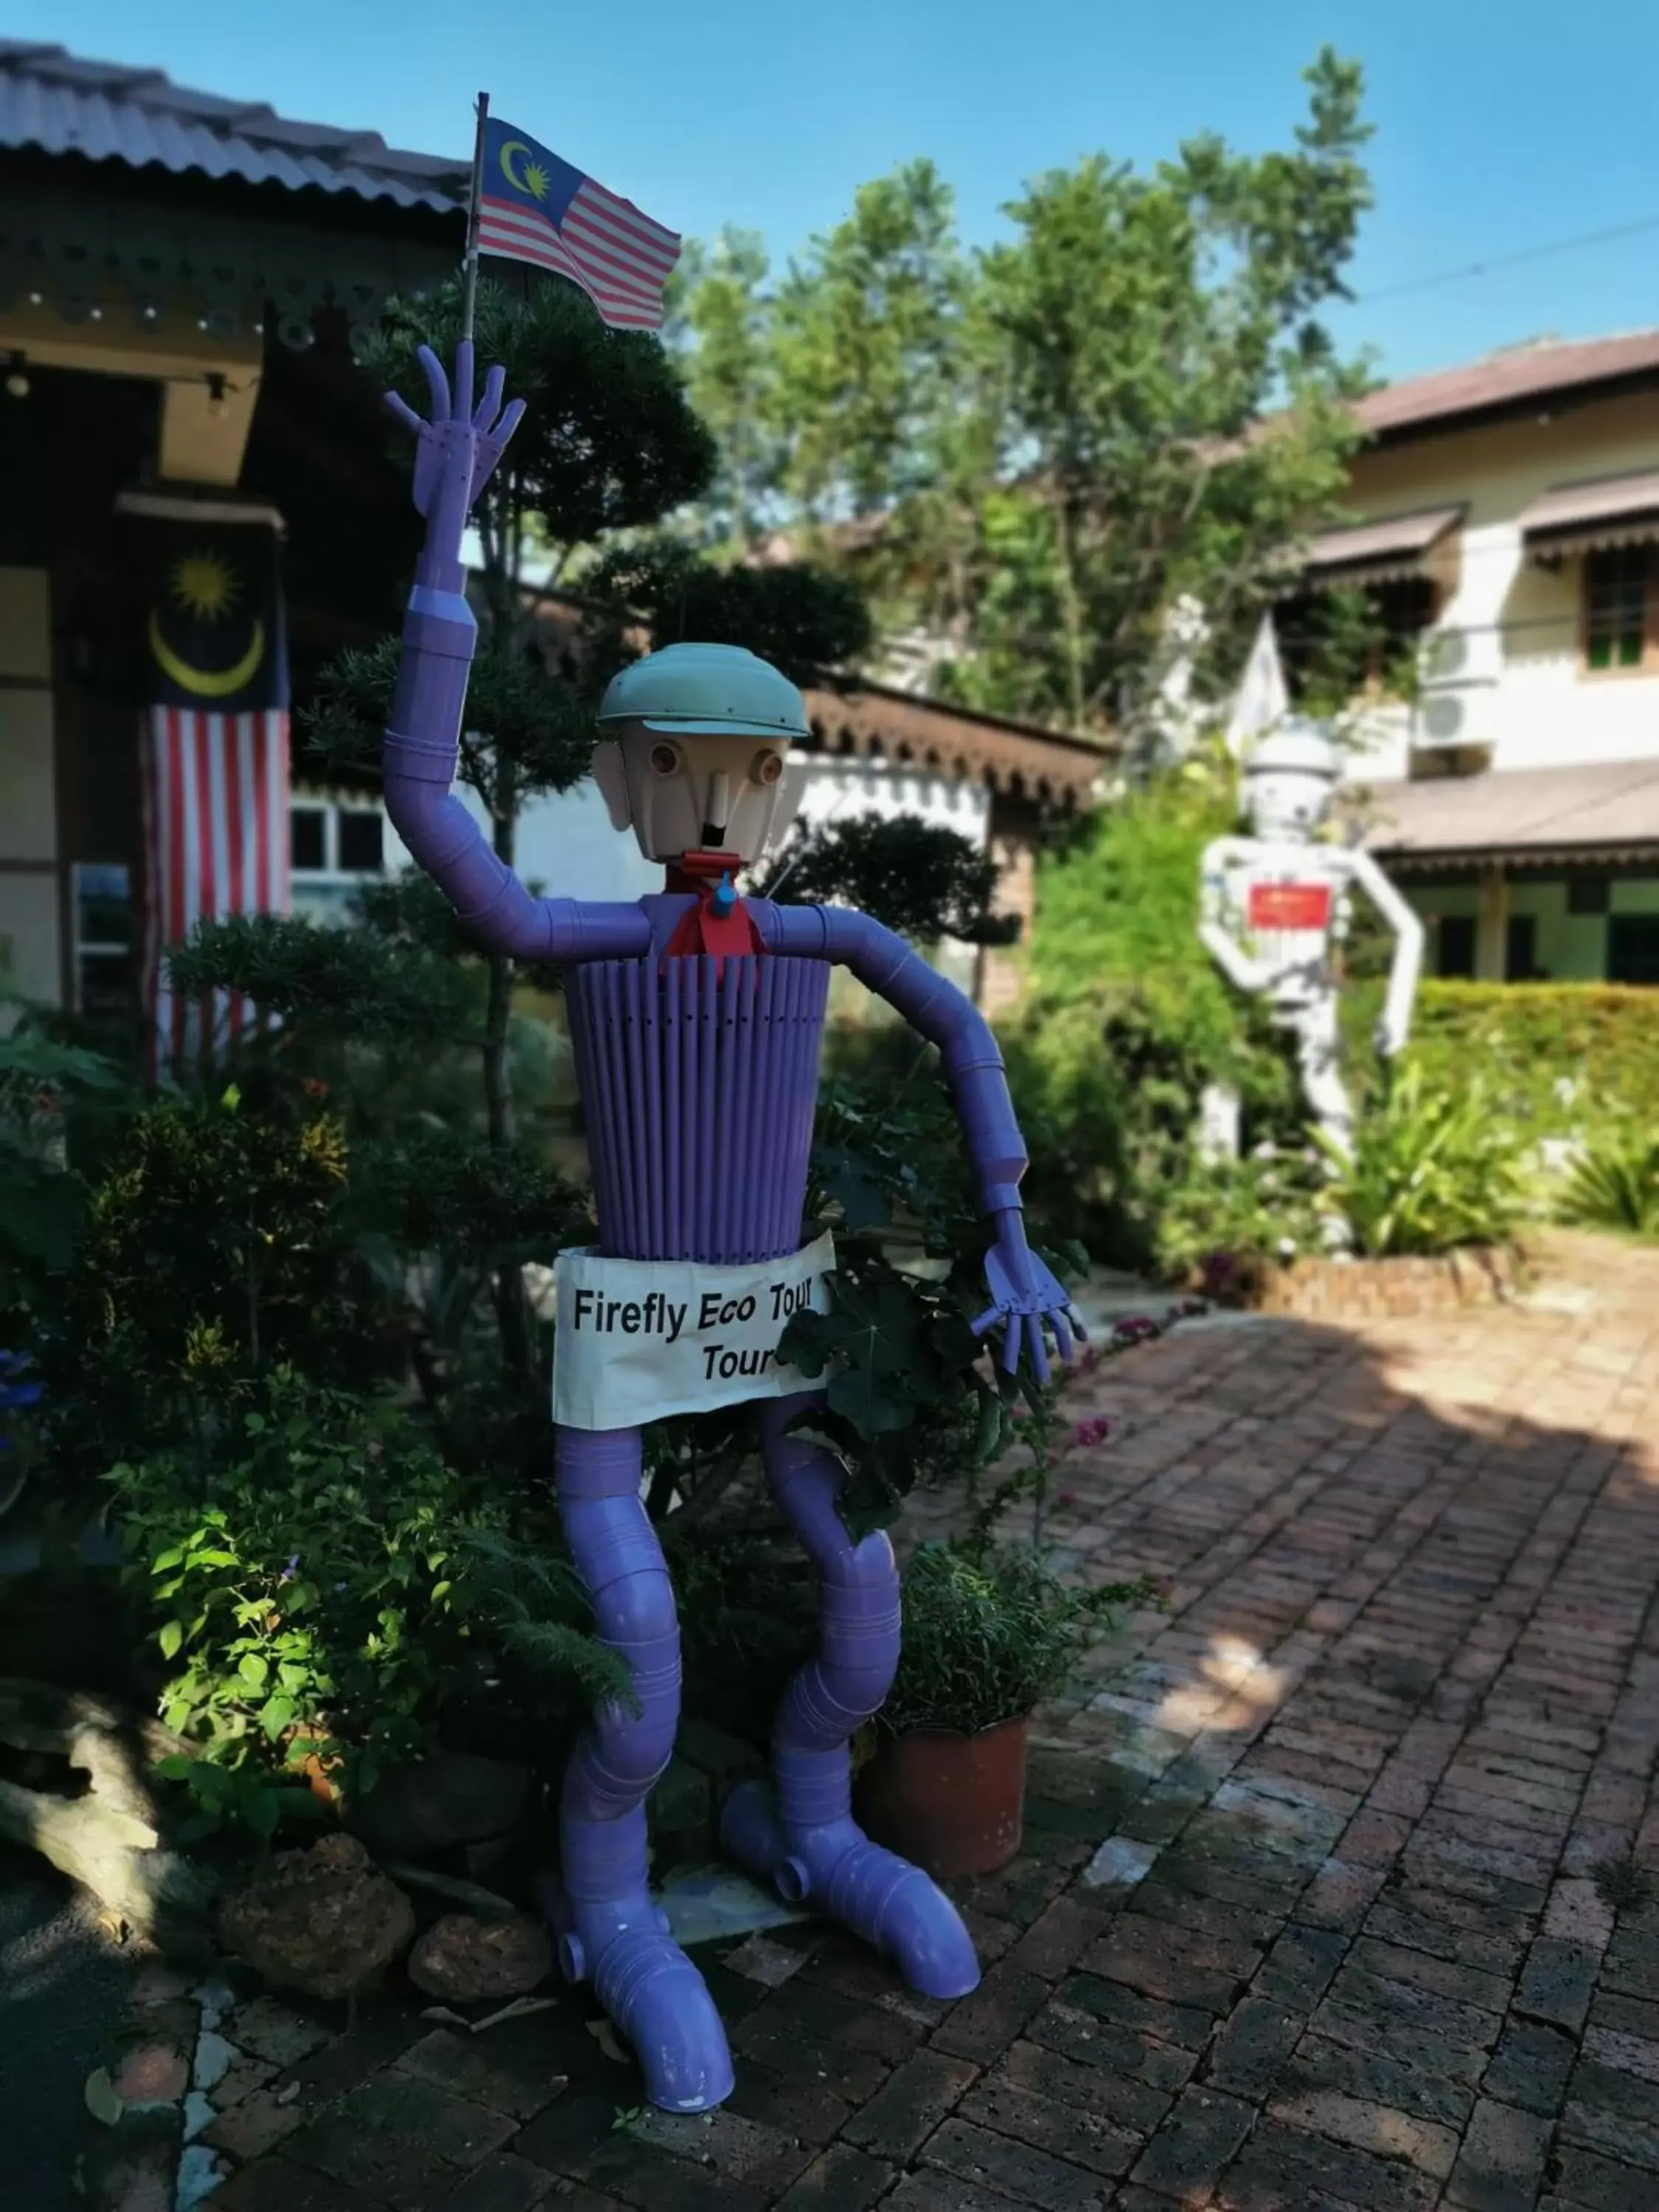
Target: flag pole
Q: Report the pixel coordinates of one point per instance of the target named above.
(469, 295)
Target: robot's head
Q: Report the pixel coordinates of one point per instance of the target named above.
(696, 738)
(1289, 777)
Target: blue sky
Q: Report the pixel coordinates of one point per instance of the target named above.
(1502, 126)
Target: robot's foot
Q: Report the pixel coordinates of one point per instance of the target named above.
(890, 1902)
(651, 1993)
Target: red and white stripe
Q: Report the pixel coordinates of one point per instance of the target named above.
(619, 257)
(215, 790)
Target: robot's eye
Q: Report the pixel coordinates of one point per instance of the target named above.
(665, 760)
(765, 768)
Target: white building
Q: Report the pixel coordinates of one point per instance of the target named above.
(1507, 518)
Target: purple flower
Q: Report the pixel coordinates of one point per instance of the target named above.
(1087, 1434)
(291, 1568)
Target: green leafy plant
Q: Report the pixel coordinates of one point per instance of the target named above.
(989, 1632)
(1563, 1060)
(1614, 1184)
(1230, 1220)
(1126, 1018)
(1431, 1171)
(993, 1624)
(909, 1397)
(317, 1598)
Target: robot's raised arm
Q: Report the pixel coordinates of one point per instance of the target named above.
(455, 453)
(1396, 1025)
(1215, 916)
(444, 838)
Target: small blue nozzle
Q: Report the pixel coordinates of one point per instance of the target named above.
(725, 896)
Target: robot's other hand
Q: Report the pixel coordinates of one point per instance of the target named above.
(1025, 1298)
(1387, 1038)
(456, 450)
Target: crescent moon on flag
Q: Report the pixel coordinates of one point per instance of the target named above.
(207, 683)
(513, 146)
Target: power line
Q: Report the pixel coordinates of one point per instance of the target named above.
(1510, 260)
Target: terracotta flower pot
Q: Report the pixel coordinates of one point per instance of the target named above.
(954, 1804)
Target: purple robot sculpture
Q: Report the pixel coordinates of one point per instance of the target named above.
(696, 1017)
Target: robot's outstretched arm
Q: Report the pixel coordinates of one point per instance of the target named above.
(1396, 1025)
(1214, 929)
(455, 453)
(936, 1010)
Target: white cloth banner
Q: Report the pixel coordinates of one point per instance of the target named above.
(636, 1340)
(1262, 700)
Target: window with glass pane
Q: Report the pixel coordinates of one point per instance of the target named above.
(1617, 588)
(307, 833)
(359, 842)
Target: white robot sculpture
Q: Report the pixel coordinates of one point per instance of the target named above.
(1275, 902)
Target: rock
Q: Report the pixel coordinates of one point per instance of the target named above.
(465, 1961)
(427, 1807)
(325, 1921)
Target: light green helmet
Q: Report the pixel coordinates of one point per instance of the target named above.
(706, 690)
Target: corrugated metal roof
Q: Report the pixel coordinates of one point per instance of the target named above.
(55, 101)
(1610, 806)
(1523, 373)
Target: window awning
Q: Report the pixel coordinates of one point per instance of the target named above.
(1579, 517)
(1383, 552)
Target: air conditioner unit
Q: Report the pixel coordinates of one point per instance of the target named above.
(1457, 690)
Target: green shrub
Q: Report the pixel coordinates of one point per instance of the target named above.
(1126, 1018)
(1431, 1170)
(989, 1632)
(1555, 1060)
(1229, 1219)
(1615, 1185)
(319, 1593)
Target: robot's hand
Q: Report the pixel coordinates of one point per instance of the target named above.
(1024, 1296)
(1388, 1039)
(455, 451)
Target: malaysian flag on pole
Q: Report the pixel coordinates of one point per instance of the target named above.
(534, 206)
(214, 750)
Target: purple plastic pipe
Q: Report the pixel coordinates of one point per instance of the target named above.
(700, 1099)
(805, 1840)
(610, 1932)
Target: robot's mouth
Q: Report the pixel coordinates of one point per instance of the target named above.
(711, 834)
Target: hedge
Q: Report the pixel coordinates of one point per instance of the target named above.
(1561, 1060)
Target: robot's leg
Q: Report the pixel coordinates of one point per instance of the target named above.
(610, 1933)
(1319, 1047)
(1318, 1039)
(805, 1838)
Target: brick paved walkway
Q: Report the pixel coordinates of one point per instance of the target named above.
(1320, 1908)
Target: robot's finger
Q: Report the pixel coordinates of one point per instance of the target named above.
(1011, 1346)
(1076, 1325)
(1039, 1350)
(1063, 1344)
(437, 383)
(490, 406)
(986, 1320)
(463, 407)
(509, 422)
(404, 413)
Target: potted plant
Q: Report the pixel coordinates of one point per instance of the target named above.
(993, 1627)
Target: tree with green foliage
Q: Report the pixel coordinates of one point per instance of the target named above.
(1048, 444)
(1125, 1019)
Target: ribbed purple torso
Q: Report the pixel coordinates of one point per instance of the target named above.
(698, 1093)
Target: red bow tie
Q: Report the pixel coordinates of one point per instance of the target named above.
(720, 924)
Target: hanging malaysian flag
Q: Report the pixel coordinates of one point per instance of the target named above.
(534, 206)
(213, 664)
